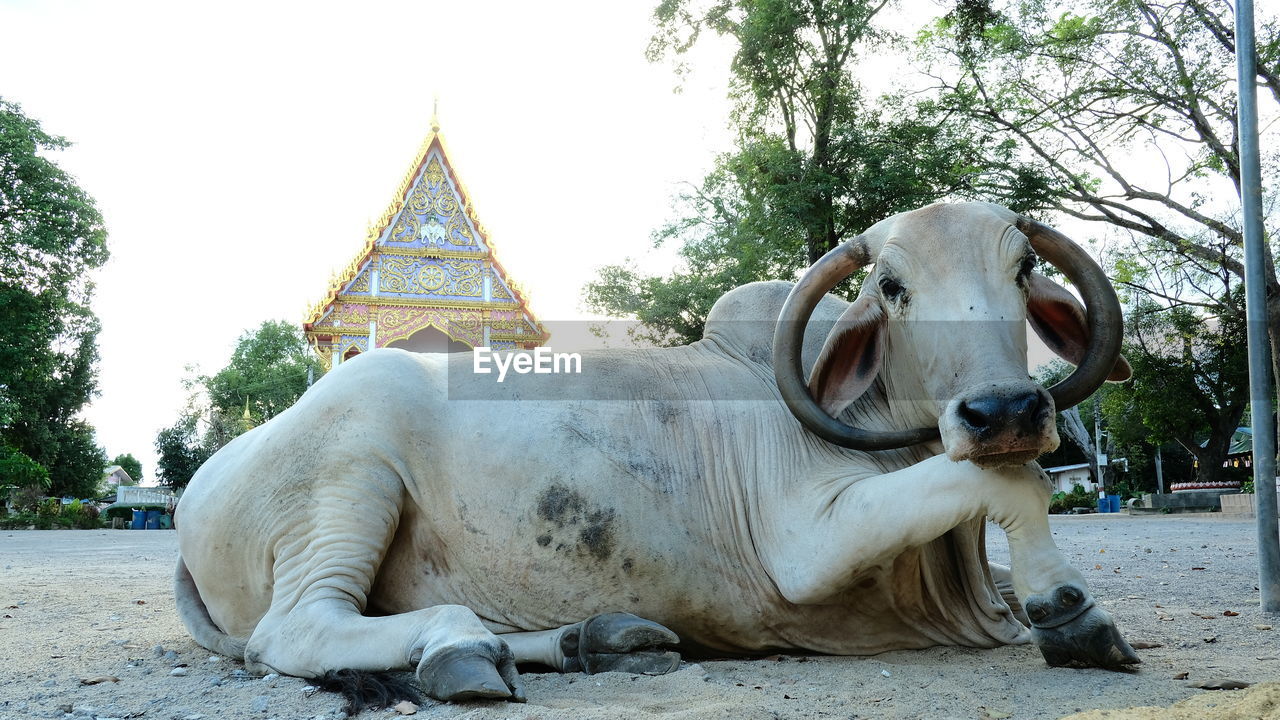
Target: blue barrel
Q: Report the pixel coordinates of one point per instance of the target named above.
(1104, 505)
(153, 519)
(1114, 502)
(139, 520)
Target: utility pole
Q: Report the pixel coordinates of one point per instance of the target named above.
(1260, 392)
(1159, 471)
(1097, 441)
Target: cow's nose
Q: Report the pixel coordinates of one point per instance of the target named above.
(995, 413)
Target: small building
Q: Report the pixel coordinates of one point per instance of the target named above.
(116, 475)
(1066, 477)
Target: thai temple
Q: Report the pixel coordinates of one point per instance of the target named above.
(427, 278)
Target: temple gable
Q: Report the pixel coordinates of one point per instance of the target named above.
(427, 278)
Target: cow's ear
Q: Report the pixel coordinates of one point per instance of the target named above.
(1059, 320)
(850, 358)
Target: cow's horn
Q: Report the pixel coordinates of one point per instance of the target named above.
(1104, 316)
(788, 342)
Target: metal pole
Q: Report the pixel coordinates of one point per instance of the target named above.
(1260, 394)
(1159, 471)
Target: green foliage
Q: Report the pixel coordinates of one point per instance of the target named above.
(267, 373)
(817, 161)
(1246, 487)
(18, 521)
(1125, 112)
(1190, 381)
(79, 516)
(51, 237)
(77, 470)
(129, 464)
(126, 513)
(1061, 502)
(19, 470)
(51, 513)
(181, 452)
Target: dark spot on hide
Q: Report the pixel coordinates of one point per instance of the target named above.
(627, 565)
(597, 536)
(560, 505)
(434, 561)
(867, 584)
(564, 507)
(667, 413)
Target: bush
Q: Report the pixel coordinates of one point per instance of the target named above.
(17, 521)
(1061, 502)
(51, 513)
(77, 515)
(127, 512)
(49, 508)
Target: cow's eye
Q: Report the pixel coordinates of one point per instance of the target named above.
(890, 288)
(1026, 266)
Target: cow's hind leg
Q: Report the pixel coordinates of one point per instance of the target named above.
(322, 577)
(1003, 578)
(610, 642)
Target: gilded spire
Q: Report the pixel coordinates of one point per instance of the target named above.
(435, 114)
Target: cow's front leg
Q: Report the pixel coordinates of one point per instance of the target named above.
(1066, 623)
(609, 642)
(817, 539)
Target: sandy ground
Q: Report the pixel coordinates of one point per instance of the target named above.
(79, 605)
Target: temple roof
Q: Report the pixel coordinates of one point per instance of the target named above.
(431, 215)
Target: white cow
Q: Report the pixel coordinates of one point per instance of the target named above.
(408, 513)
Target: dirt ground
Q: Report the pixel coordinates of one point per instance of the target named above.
(80, 606)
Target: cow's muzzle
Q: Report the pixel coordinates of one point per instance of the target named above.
(996, 424)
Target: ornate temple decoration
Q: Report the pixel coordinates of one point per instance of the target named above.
(427, 265)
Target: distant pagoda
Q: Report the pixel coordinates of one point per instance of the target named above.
(427, 278)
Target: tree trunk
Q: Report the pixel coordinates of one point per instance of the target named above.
(1079, 436)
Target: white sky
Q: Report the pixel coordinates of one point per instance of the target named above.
(238, 150)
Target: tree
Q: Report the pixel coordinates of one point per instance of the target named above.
(1123, 112)
(20, 471)
(130, 465)
(51, 236)
(817, 160)
(77, 469)
(181, 452)
(1190, 382)
(267, 374)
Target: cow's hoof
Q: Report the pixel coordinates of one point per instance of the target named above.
(458, 674)
(619, 642)
(1071, 630)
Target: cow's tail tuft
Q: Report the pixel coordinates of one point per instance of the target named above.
(195, 616)
(364, 689)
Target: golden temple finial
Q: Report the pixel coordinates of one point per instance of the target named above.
(435, 113)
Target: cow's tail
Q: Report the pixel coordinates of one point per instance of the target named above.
(195, 616)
